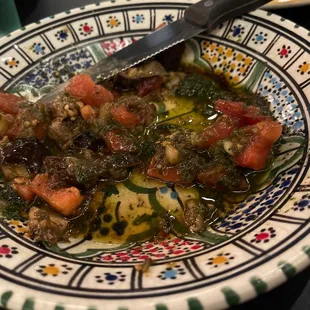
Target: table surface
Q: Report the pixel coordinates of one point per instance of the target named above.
(293, 295)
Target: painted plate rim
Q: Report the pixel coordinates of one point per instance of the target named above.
(222, 293)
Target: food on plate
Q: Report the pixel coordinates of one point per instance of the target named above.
(177, 128)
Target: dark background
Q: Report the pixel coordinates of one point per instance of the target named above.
(293, 295)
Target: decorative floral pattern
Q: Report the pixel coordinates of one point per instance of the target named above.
(113, 22)
(256, 205)
(220, 259)
(111, 278)
(138, 19)
(285, 51)
(172, 273)
(62, 35)
(304, 68)
(7, 252)
(226, 62)
(38, 49)
(283, 102)
(303, 204)
(237, 31)
(265, 235)
(11, 62)
(155, 251)
(260, 38)
(86, 29)
(168, 19)
(113, 46)
(53, 270)
(60, 69)
(237, 66)
(19, 226)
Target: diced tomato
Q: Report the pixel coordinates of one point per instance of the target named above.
(168, 174)
(22, 186)
(211, 176)
(98, 96)
(84, 88)
(80, 85)
(254, 116)
(66, 200)
(124, 117)
(118, 143)
(249, 114)
(9, 103)
(231, 108)
(148, 85)
(255, 154)
(220, 130)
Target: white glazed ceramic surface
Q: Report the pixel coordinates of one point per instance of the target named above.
(256, 247)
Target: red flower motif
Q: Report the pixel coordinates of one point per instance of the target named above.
(160, 250)
(106, 45)
(143, 257)
(135, 252)
(262, 236)
(284, 51)
(4, 250)
(159, 255)
(87, 29)
(177, 252)
(196, 247)
(8, 252)
(265, 235)
(186, 243)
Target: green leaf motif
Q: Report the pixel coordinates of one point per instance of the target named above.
(192, 56)
(194, 304)
(259, 285)
(178, 227)
(161, 307)
(254, 78)
(28, 304)
(94, 252)
(139, 189)
(232, 298)
(97, 51)
(209, 237)
(111, 190)
(59, 307)
(5, 297)
(288, 269)
(306, 250)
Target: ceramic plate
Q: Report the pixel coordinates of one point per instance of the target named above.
(254, 248)
(280, 4)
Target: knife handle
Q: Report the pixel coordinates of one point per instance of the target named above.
(210, 13)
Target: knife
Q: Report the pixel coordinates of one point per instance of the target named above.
(203, 16)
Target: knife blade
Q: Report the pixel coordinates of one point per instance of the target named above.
(202, 16)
